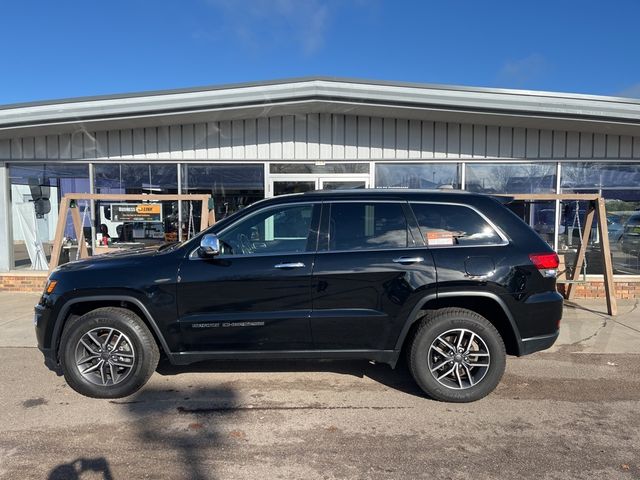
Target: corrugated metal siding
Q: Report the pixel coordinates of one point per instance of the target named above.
(321, 137)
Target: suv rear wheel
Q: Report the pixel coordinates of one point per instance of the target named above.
(108, 353)
(456, 355)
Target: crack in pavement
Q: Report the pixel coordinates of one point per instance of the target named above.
(593, 335)
(633, 309)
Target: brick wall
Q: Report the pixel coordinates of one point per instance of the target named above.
(30, 282)
(595, 289)
(34, 282)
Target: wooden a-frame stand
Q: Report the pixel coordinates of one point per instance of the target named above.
(596, 203)
(207, 218)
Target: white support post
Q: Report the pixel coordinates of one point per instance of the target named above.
(179, 176)
(556, 230)
(6, 237)
(92, 206)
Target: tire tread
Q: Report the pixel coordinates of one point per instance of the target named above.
(150, 352)
(443, 315)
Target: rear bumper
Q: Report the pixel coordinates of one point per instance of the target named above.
(535, 344)
(539, 315)
(537, 320)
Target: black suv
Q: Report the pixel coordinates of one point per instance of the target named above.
(454, 280)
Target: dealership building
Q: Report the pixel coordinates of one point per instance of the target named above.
(244, 142)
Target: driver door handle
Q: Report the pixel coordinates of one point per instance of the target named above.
(404, 260)
(289, 265)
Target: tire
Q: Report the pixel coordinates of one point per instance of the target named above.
(475, 377)
(106, 344)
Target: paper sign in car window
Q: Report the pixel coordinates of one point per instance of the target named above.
(435, 238)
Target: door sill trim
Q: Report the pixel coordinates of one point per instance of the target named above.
(383, 356)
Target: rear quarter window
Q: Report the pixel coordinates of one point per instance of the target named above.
(453, 225)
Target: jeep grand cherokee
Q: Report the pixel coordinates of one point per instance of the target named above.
(453, 280)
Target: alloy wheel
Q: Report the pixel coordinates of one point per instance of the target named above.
(105, 356)
(459, 359)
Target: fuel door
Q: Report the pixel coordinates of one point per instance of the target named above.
(479, 268)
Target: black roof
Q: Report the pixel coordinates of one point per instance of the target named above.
(388, 192)
(449, 195)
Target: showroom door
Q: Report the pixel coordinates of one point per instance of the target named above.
(340, 182)
(285, 184)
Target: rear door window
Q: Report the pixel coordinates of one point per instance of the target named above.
(453, 225)
(362, 226)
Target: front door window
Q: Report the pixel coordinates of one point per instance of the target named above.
(284, 229)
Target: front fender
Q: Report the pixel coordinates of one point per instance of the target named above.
(108, 298)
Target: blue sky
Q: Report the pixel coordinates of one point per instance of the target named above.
(58, 49)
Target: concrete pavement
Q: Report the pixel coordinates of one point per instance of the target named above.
(16, 319)
(587, 328)
(566, 413)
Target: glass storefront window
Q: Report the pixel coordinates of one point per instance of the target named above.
(511, 178)
(136, 179)
(232, 187)
(36, 191)
(417, 175)
(619, 185)
(540, 215)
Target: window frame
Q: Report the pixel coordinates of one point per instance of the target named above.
(324, 238)
(503, 237)
(313, 230)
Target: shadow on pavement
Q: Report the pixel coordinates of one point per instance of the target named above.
(399, 378)
(77, 468)
(169, 426)
(189, 426)
(601, 309)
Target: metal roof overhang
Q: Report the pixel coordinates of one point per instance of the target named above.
(498, 107)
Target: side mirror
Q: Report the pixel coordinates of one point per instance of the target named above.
(209, 245)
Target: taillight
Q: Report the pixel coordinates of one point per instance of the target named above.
(547, 263)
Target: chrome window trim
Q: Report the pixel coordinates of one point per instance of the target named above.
(366, 250)
(193, 254)
(498, 230)
(366, 201)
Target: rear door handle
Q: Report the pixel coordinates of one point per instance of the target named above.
(289, 265)
(406, 260)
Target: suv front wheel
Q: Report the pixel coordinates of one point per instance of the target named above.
(107, 353)
(456, 355)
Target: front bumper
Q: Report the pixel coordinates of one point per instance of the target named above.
(42, 323)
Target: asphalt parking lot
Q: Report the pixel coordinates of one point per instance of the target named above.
(571, 412)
